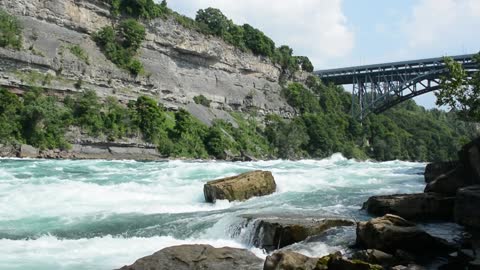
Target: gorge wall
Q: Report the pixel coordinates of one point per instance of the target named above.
(180, 63)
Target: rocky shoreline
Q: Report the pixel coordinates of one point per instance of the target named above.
(390, 241)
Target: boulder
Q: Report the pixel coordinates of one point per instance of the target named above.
(408, 267)
(193, 257)
(467, 207)
(391, 233)
(470, 159)
(241, 187)
(448, 183)
(376, 257)
(288, 260)
(435, 169)
(28, 151)
(276, 232)
(422, 206)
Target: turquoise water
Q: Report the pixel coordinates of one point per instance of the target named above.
(91, 214)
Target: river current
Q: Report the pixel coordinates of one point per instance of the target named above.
(95, 214)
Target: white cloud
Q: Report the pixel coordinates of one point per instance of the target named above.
(443, 25)
(316, 28)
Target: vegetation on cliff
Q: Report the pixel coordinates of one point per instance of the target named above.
(10, 31)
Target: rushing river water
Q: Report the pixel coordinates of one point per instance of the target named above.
(93, 214)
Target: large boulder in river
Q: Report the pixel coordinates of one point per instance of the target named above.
(240, 187)
(391, 233)
(288, 260)
(28, 151)
(194, 257)
(422, 206)
(274, 232)
(467, 207)
(435, 169)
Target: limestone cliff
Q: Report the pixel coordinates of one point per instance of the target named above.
(179, 63)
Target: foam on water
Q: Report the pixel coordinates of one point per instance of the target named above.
(97, 214)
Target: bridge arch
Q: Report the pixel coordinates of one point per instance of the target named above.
(376, 88)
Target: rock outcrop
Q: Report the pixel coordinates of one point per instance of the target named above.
(288, 260)
(391, 233)
(422, 206)
(179, 63)
(274, 232)
(435, 169)
(240, 187)
(467, 211)
(194, 257)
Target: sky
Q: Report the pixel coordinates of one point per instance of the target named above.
(341, 33)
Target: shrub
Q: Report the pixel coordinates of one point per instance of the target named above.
(80, 53)
(120, 46)
(146, 9)
(202, 100)
(10, 31)
(257, 41)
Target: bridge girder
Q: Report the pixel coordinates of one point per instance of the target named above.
(376, 88)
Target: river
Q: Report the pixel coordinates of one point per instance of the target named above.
(96, 214)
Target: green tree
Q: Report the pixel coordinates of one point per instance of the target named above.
(132, 34)
(214, 19)
(459, 92)
(257, 41)
(87, 112)
(10, 108)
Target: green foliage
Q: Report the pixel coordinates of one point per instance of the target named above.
(301, 98)
(201, 99)
(459, 92)
(258, 42)
(284, 57)
(189, 135)
(10, 108)
(304, 63)
(150, 119)
(145, 9)
(80, 53)
(87, 112)
(217, 140)
(43, 121)
(121, 45)
(213, 18)
(10, 31)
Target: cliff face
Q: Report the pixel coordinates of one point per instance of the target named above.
(179, 63)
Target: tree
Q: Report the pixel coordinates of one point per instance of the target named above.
(86, 111)
(304, 63)
(257, 41)
(218, 23)
(132, 34)
(459, 92)
(10, 108)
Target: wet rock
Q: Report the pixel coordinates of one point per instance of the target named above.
(422, 206)
(467, 207)
(28, 151)
(288, 260)
(435, 169)
(470, 159)
(408, 267)
(240, 187)
(390, 233)
(193, 257)
(376, 257)
(279, 231)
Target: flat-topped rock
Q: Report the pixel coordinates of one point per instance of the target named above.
(422, 206)
(241, 187)
(274, 232)
(391, 233)
(194, 257)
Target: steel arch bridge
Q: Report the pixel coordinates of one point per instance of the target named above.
(376, 88)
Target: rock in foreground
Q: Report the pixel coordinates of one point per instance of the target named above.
(276, 232)
(422, 206)
(467, 210)
(288, 260)
(391, 233)
(435, 169)
(241, 187)
(193, 257)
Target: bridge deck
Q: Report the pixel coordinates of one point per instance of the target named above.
(393, 71)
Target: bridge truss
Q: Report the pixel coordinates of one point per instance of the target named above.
(376, 88)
